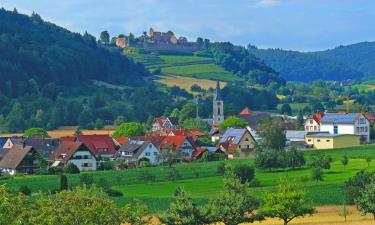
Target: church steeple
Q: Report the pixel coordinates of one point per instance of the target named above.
(218, 106)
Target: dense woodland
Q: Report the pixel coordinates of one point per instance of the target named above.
(341, 63)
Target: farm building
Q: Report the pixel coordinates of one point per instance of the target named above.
(237, 143)
(325, 140)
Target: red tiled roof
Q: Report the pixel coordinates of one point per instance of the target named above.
(93, 142)
(160, 120)
(67, 148)
(122, 140)
(68, 138)
(246, 111)
(176, 141)
(318, 116)
(199, 151)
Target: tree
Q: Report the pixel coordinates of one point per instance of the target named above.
(63, 182)
(71, 168)
(86, 179)
(344, 212)
(136, 214)
(368, 161)
(300, 121)
(320, 161)
(285, 109)
(233, 205)
(244, 172)
(272, 134)
(175, 113)
(104, 37)
(79, 206)
(232, 122)
(317, 174)
(36, 132)
(169, 155)
(183, 211)
(345, 161)
(294, 158)
(78, 131)
(12, 207)
(15, 121)
(129, 129)
(287, 203)
(24, 190)
(270, 158)
(188, 111)
(354, 186)
(366, 200)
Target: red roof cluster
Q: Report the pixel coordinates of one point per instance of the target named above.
(175, 141)
(97, 144)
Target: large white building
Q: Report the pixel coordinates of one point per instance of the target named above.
(346, 123)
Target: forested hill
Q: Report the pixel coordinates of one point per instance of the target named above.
(341, 63)
(34, 49)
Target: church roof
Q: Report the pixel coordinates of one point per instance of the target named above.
(218, 96)
(246, 111)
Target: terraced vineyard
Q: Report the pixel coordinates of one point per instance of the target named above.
(181, 64)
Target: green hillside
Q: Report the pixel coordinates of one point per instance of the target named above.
(177, 64)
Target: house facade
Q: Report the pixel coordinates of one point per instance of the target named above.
(180, 144)
(350, 123)
(164, 123)
(19, 159)
(134, 150)
(74, 152)
(237, 143)
(325, 140)
(100, 145)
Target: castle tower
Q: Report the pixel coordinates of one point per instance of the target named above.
(218, 106)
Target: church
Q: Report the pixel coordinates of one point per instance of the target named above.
(218, 106)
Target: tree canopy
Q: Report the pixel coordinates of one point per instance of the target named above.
(129, 129)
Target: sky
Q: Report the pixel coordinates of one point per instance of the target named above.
(305, 25)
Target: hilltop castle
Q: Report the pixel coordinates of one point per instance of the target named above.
(157, 40)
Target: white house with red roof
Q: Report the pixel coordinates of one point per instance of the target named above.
(163, 123)
(182, 144)
(312, 123)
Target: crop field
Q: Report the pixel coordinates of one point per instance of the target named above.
(182, 65)
(187, 82)
(67, 132)
(202, 181)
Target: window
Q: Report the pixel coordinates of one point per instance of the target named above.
(150, 146)
(308, 140)
(307, 128)
(328, 140)
(311, 122)
(86, 164)
(155, 153)
(335, 129)
(148, 154)
(362, 121)
(366, 129)
(318, 140)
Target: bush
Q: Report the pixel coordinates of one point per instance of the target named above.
(244, 172)
(25, 190)
(254, 183)
(146, 176)
(63, 182)
(86, 179)
(71, 168)
(107, 165)
(173, 174)
(103, 184)
(294, 158)
(211, 156)
(55, 170)
(114, 193)
(221, 168)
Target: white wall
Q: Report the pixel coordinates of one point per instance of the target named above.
(79, 162)
(151, 153)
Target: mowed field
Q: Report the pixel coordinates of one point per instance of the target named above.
(68, 132)
(187, 82)
(203, 182)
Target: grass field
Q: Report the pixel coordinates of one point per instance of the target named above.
(203, 182)
(182, 65)
(187, 82)
(67, 132)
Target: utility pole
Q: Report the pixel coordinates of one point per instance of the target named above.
(197, 112)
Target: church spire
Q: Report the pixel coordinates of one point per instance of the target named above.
(217, 92)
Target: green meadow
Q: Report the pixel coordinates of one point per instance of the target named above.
(203, 182)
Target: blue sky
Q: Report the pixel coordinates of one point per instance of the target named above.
(290, 24)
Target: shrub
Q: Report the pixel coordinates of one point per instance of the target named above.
(173, 174)
(86, 179)
(55, 170)
(211, 156)
(63, 182)
(221, 168)
(114, 193)
(71, 168)
(103, 184)
(244, 172)
(146, 176)
(107, 165)
(25, 190)
(254, 183)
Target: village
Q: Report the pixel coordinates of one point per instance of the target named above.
(166, 141)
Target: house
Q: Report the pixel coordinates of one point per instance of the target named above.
(3, 152)
(181, 144)
(11, 141)
(122, 42)
(312, 123)
(74, 152)
(237, 143)
(326, 140)
(19, 159)
(346, 123)
(295, 137)
(193, 134)
(46, 146)
(99, 145)
(252, 118)
(216, 134)
(162, 123)
(134, 150)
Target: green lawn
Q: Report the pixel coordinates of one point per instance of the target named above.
(203, 182)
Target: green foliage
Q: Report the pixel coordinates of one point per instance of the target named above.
(232, 122)
(233, 205)
(63, 182)
(294, 158)
(244, 172)
(317, 174)
(71, 168)
(103, 184)
(106, 165)
(221, 168)
(354, 186)
(320, 161)
(113, 193)
(24, 190)
(86, 179)
(285, 109)
(211, 156)
(36, 132)
(104, 37)
(287, 203)
(11, 207)
(270, 158)
(173, 174)
(136, 214)
(272, 134)
(366, 201)
(146, 176)
(129, 129)
(345, 161)
(196, 88)
(183, 211)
